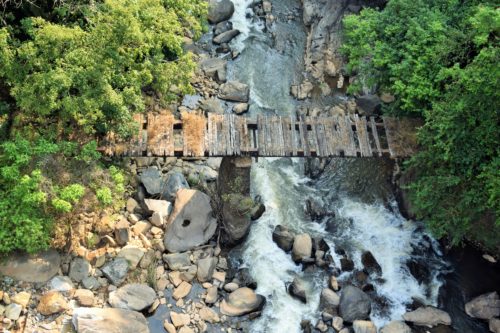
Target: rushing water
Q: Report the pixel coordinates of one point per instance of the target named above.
(270, 67)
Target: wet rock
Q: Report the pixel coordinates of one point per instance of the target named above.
(61, 283)
(337, 323)
(152, 181)
(258, 210)
(306, 326)
(283, 238)
(133, 296)
(219, 10)
(84, 297)
(13, 311)
(90, 320)
(191, 222)
(333, 283)
(214, 68)
(175, 181)
(354, 304)
(122, 232)
(176, 261)
(485, 306)
(206, 267)
(51, 303)
(222, 27)
(241, 301)
(37, 268)
(116, 271)
(428, 316)
(315, 210)
(297, 290)
(346, 265)
(234, 91)
(226, 37)
(368, 105)
(363, 326)
(329, 299)
(370, 263)
(396, 326)
(302, 247)
(182, 290)
(132, 254)
(79, 269)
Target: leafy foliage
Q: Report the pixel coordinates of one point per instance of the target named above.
(440, 59)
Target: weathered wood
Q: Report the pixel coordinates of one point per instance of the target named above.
(160, 130)
(362, 133)
(375, 136)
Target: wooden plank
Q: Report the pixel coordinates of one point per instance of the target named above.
(261, 136)
(375, 135)
(362, 133)
(281, 137)
(305, 143)
(160, 128)
(313, 139)
(293, 136)
(287, 136)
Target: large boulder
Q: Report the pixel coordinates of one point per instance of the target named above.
(428, 316)
(354, 304)
(116, 270)
(283, 238)
(175, 181)
(235, 91)
(241, 301)
(92, 320)
(219, 10)
(36, 268)
(484, 306)
(297, 290)
(396, 326)
(152, 181)
(329, 299)
(302, 247)
(133, 296)
(191, 223)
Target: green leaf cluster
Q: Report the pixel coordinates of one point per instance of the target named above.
(440, 59)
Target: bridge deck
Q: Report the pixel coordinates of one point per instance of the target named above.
(267, 136)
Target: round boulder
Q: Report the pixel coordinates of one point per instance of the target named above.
(219, 10)
(242, 301)
(302, 247)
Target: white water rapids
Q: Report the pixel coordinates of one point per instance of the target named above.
(284, 188)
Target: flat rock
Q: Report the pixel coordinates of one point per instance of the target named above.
(93, 320)
(214, 68)
(116, 271)
(13, 311)
(182, 290)
(61, 283)
(234, 91)
(485, 306)
(132, 254)
(85, 297)
(354, 304)
(241, 301)
(176, 261)
(191, 223)
(226, 37)
(158, 206)
(494, 325)
(132, 296)
(364, 326)
(209, 315)
(428, 316)
(37, 268)
(175, 181)
(396, 326)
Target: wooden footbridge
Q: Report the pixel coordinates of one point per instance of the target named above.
(196, 135)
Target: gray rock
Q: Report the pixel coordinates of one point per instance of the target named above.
(240, 108)
(79, 269)
(428, 316)
(36, 268)
(283, 238)
(222, 27)
(354, 304)
(61, 283)
(191, 223)
(174, 182)
(206, 267)
(219, 10)
(368, 105)
(234, 91)
(93, 320)
(91, 283)
(176, 261)
(133, 296)
(13, 311)
(494, 325)
(364, 326)
(297, 290)
(226, 37)
(329, 299)
(485, 306)
(116, 271)
(211, 105)
(396, 326)
(302, 247)
(241, 301)
(132, 254)
(122, 232)
(158, 206)
(152, 181)
(214, 68)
